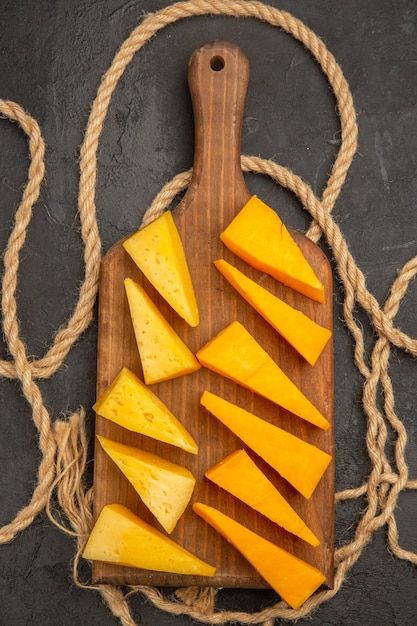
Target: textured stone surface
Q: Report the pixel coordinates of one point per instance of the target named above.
(53, 55)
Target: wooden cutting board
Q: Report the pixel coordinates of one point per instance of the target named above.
(218, 77)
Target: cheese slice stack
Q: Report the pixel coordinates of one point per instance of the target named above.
(121, 537)
(163, 354)
(131, 404)
(157, 250)
(299, 462)
(258, 236)
(234, 353)
(292, 578)
(241, 477)
(305, 335)
(164, 487)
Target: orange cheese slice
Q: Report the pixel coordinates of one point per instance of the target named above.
(234, 353)
(121, 537)
(258, 236)
(301, 463)
(158, 252)
(127, 401)
(164, 487)
(292, 578)
(305, 335)
(162, 352)
(241, 477)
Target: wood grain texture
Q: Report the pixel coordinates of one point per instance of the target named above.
(218, 78)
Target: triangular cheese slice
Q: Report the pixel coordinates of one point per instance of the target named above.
(305, 335)
(162, 352)
(299, 462)
(158, 252)
(258, 236)
(164, 487)
(241, 477)
(121, 537)
(234, 353)
(292, 578)
(127, 401)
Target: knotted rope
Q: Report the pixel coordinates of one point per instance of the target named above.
(63, 444)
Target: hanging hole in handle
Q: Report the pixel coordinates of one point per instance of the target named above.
(217, 63)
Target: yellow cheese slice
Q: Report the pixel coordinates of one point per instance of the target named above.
(299, 462)
(164, 487)
(162, 352)
(305, 335)
(258, 236)
(292, 578)
(127, 401)
(121, 537)
(239, 475)
(234, 353)
(158, 252)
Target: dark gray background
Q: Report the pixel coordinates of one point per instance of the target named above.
(53, 54)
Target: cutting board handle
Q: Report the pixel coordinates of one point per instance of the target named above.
(218, 76)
